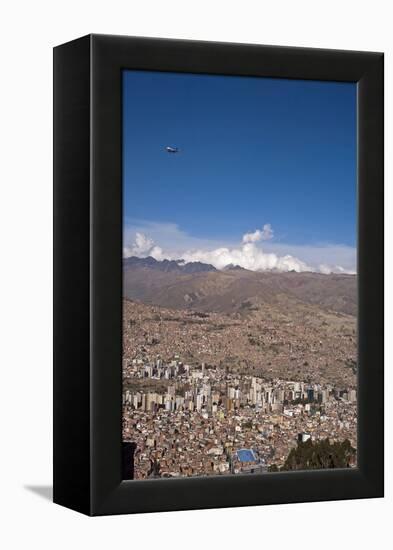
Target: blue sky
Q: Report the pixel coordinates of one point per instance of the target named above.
(252, 151)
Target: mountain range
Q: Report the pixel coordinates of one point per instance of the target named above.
(198, 286)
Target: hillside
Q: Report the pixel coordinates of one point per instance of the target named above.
(201, 287)
(295, 343)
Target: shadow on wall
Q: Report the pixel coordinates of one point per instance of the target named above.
(44, 491)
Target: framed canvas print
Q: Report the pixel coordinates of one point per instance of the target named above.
(218, 275)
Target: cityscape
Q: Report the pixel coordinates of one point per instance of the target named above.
(239, 275)
(210, 422)
(192, 407)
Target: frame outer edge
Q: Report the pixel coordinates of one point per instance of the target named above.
(110, 495)
(71, 316)
(371, 274)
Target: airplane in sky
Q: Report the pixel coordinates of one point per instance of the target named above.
(169, 149)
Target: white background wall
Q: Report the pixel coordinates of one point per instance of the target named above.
(28, 31)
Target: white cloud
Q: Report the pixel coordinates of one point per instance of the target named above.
(259, 235)
(169, 236)
(143, 246)
(176, 244)
(248, 256)
(142, 243)
(327, 269)
(324, 257)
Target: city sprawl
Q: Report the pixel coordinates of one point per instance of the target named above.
(207, 394)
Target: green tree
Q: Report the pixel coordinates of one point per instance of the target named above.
(319, 455)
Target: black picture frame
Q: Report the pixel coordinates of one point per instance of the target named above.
(88, 274)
